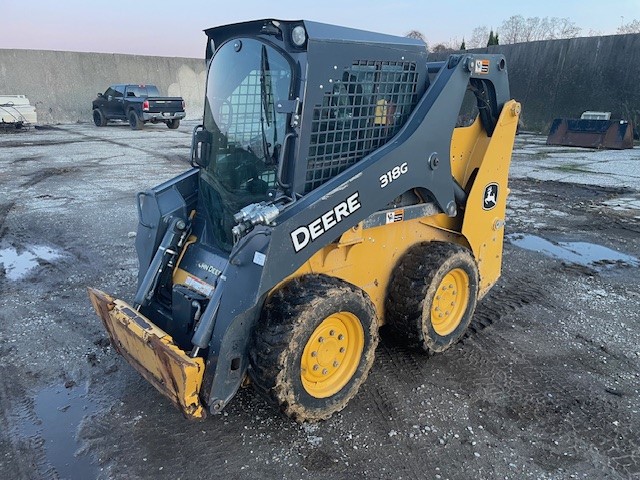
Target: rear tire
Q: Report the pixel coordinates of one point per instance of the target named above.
(314, 346)
(433, 295)
(134, 121)
(173, 124)
(98, 118)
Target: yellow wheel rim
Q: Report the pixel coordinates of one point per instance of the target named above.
(450, 302)
(332, 355)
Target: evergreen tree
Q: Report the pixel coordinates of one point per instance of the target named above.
(463, 46)
(496, 39)
(491, 39)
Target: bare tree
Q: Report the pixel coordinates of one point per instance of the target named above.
(418, 35)
(479, 37)
(631, 27)
(565, 28)
(512, 28)
(442, 48)
(518, 29)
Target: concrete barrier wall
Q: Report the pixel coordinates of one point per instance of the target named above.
(563, 78)
(554, 78)
(62, 85)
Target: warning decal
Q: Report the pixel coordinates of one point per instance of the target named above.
(482, 66)
(395, 216)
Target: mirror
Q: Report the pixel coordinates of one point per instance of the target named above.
(199, 139)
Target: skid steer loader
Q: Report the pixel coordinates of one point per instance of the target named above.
(338, 184)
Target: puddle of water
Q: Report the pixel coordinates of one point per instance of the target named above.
(581, 253)
(60, 411)
(623, 203)
(18, 265)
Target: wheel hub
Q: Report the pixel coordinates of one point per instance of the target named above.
(332, 354)
(450, 302)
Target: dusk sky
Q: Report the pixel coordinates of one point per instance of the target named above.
(174, 28)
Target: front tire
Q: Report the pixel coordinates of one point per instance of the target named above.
(98, 118)
(134, 121)
(433, 295)
(314, 346)
(173, 124)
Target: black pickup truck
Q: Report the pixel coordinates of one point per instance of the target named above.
(138, 104)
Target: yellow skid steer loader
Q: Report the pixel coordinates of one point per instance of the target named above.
(340, 182)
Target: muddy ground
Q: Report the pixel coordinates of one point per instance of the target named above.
(545, 386)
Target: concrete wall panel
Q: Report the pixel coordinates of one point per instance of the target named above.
(61, 85)
(554, 78)
(563, 78)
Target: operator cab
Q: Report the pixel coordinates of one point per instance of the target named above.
(251, 147)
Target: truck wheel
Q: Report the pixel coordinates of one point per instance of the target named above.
(134, 121)
(173, 124)
(98, 118)
(433, 295)
(314, 346)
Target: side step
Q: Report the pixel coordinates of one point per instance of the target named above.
(151, 351)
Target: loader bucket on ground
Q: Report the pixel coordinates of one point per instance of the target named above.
(613, 134)
(152, 353)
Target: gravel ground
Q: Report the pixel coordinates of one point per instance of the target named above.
(546, 384)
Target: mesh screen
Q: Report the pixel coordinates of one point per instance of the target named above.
(243, 121)
(241, 116)
(360, 113)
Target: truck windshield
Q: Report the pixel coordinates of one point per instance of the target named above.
(246, 80)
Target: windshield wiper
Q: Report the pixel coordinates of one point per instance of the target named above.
(265, 85)
(266, 97)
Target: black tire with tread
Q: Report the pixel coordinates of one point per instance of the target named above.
(414, 282)
(173, 124)
(98, 118)
(288, 319)
(134, 121)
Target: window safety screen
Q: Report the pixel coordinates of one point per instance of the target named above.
(359, 114)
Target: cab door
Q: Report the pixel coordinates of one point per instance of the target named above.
(114, 104)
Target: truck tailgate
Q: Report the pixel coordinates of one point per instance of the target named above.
(165, 104)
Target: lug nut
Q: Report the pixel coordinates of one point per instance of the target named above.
(316, 367)
(332, 333)
(315, 354)
(325, 371)
(340, 337)
(321, 339)
(342, 350)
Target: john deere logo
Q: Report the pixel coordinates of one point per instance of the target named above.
(490, 196)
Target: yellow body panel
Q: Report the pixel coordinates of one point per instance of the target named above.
(484, 229)
(152, 353)
(366, 258)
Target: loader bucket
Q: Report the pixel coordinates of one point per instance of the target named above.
(608, 134)
(152, 353)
